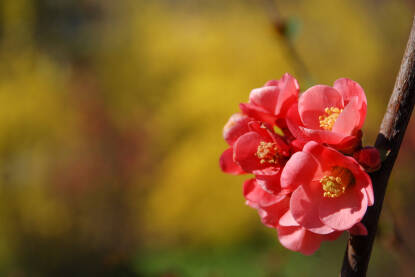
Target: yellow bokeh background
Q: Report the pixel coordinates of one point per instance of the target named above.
(111, 117)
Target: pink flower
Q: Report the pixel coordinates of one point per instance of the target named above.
(331, 191)
(297, 238)
(332, 115)
(236, 126)
(271, 102)
(263, 153)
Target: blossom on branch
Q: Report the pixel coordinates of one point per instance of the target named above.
(331, 115)
(309, 182)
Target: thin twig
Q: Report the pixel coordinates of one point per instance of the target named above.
(389, 140)
(280, 27)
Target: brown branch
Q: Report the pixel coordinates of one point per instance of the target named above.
(389, 140)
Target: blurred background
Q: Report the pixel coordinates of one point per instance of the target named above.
(111, 116)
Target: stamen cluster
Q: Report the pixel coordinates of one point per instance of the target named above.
(327, 121)
(267, 152)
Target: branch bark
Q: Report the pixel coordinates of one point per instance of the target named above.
(391, 133)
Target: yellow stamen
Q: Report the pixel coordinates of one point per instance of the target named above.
(327, 121)
(267, 152)
(337, 182)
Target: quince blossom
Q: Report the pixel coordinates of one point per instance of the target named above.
(331, 191)
(262, 153)
(331, 115)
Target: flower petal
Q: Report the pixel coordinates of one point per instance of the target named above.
(245, 149)
(322, 136)
(288, 220)
(288, 95)
(348, 120)
(257, 113)
(293, 121)
(370, 195)
(270, 215)
(236, 126)
(265, 97)
(342, 212)
(227, 164)
(269, 179)
(349, 89)
(256, 196)
(299, 170)
(304, 206)
(299, 239)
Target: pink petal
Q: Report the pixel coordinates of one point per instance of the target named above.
(299, 239)
(342, 212)
(288, 95)
(269, 179)
(293, 121)
(257, 113)
(288, 220)
(322, 136)
(270, 215)
(272, 83)
(245, 149)
(227, 164)
(362, 116)
(348, 120)
(299, 170)
(364, 181)
(263, 129)
(304, 206)
(313, 102)
(370, 195)
(265, 97)
(348, 89)
(258, 197)
(236, 126)
(298, 144)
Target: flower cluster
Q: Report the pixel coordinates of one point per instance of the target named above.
(305, 153)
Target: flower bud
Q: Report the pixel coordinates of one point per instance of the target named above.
(369, 158)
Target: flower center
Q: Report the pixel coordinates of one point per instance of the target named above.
(267, 152)
(337, 182)
(327, 121)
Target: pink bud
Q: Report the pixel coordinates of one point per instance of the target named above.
(369, 158)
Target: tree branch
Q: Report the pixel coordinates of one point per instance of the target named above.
(388, 142)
